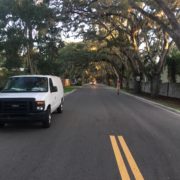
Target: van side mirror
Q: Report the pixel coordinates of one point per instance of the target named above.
(54, 89)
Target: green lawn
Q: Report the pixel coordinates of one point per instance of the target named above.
(68, 89)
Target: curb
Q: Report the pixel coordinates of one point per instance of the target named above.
(68, 93)
(164, 107)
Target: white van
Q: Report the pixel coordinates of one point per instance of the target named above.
(31, 98)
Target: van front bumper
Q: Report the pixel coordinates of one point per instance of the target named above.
(28, 117)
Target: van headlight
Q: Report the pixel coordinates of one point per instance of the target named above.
(40, 105)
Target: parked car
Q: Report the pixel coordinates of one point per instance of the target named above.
(31, 98)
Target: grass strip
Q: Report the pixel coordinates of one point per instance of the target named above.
(68, 89)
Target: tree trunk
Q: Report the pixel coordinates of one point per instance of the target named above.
(175, 35)
(155, 85)
(127, 84)
(137, 83)
(31, 66)
(121, 81)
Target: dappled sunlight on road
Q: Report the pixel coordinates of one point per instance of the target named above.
(97, 86)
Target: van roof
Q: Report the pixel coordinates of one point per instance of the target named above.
(36, 75)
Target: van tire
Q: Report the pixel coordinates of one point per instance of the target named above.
(47, 122)
(2, 125)
(60, 108)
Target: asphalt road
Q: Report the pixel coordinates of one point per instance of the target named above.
(100, 136)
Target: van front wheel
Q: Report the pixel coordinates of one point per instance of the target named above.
(2, 125)
(47, 121)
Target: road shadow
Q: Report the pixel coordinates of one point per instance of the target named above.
(21, 127)
(25, 126)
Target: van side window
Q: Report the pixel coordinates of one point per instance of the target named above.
(51, 84)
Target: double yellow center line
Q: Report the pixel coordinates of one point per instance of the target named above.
(120, 162)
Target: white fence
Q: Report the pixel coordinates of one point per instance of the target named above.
(166, 89)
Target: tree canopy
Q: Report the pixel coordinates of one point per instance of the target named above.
(123, 38)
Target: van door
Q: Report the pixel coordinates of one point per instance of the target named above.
(53, 97)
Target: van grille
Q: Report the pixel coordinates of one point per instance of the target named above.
(17, 105)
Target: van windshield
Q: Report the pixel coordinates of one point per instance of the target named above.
(26, 84)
